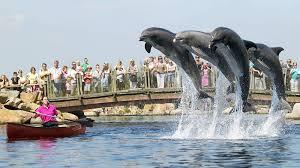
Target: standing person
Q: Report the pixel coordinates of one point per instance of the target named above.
(120, 72)
(47, 112)
(78, 66)
(68, 86)
(56, 76)
(132, 70)
(160, 72)
(33, 79)
(65, 75)
(15, 81)
(73, 75)
(295, 77)
(88, 77)
(105, 75)
(96, 78)
(4, 82)
(258, 79)
(171, 69)
(289, 66)
(22, 78)
(152, 75)
(199, 64)
(205, 75)
(85, 65)
(44, 73)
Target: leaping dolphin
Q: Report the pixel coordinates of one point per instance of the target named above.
(162, 40)
(235, 54)
(266, 59)
(197, 42)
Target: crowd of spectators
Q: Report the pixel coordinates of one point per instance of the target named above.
(156, 72)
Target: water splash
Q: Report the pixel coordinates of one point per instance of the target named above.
(275, 122)
(197, 122)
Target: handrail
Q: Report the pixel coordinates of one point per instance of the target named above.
(145, 80)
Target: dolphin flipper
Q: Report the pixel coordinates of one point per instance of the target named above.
(148, 47)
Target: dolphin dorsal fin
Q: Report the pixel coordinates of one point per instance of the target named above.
(148, 47)
(277, 50)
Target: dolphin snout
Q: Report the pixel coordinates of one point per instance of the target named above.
(142, 38)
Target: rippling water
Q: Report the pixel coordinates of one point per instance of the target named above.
(141, 142)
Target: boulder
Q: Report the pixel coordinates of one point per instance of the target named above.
(29, 97)
(176, 111)
(12, 103)
(10, 93)
(134, 110)
(10, 116)
(295, 114)
(28, 106)
(25, 114)
(37, 120)
(69, 116)
(3, 98)
(91, 113)
(148, 107)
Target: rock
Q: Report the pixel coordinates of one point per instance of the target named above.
(10, 93)
(28, 106)
(159, 109)
(148, 108)
(10, 116)
(25, 114)
(176, 111)
(12, 103)
(134, 110)
(28, 97)
(3, 98)
(69, 116)
(295, 114)
(91, 113)
(170, 107)
(37, 120)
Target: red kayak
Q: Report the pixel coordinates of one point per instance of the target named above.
(22, 132)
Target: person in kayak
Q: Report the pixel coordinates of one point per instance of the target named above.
(48, 113)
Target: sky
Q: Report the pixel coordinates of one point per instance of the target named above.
(34, 31)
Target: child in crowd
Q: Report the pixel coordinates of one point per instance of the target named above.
(87, 78)
(68, 86)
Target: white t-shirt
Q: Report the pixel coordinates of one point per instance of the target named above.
(97, 74)
(56, 74)
(72, 73)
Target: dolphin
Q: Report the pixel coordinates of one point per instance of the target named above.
(267, 60)
(197, 42)
(162, 40)
(236, 55)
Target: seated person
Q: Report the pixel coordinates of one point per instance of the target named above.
(47, 112)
